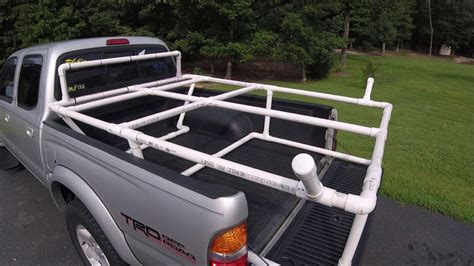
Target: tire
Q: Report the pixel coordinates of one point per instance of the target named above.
(86, 234)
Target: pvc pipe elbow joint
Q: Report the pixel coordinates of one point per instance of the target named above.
(363, 204)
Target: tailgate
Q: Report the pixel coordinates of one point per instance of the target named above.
(318, 234)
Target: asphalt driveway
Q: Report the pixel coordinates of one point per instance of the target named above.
(32, 231)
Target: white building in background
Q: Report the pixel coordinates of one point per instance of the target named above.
(445, 50)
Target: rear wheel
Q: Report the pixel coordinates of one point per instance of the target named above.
(90, 241)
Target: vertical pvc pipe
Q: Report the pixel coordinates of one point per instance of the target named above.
(179, 125)
(62, 81)
(72, 124)
(136, 149)
(305, 169)
(266, 125)
(353, 239)
(368, 89)
(178, 66)
(226, 150)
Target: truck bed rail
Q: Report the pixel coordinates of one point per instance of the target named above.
(308, 188)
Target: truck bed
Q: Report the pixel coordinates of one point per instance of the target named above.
(317, 233)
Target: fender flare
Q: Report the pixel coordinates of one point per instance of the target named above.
(69, 179)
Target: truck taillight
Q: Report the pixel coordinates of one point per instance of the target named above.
(117, 41)
(230, 247)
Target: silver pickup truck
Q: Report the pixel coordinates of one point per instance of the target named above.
(150, 166)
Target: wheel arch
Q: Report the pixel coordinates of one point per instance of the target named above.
(66, 185)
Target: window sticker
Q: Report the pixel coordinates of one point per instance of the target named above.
(76, 87)
(74, 60)
(160, 67)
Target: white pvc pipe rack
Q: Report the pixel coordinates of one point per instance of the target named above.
(308, 188)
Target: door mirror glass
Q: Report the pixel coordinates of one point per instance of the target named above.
(9, 91)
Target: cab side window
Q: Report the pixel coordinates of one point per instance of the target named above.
(6, 80)
(28, 84)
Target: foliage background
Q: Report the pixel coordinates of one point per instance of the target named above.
(301, 32)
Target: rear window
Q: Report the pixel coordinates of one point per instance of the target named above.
(28, 85)
(98, 79)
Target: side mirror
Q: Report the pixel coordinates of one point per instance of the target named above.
(9, 91)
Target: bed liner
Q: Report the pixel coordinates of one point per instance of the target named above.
(268, 208)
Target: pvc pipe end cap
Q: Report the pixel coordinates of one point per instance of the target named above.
(304, 166)
(371, 79)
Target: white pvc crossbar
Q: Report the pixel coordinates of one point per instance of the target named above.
(361, 205)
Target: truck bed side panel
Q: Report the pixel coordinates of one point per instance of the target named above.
(177, 220)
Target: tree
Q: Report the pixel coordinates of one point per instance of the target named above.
(403, 20)
(431, 27)
(452, 24)
(47, 21)
(384, 27)
(307, 35)
(7, 36)
(224, 29)
(345, 35)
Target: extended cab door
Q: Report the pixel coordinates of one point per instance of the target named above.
(7, 84)
(26, 113)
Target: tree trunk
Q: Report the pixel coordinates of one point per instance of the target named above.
(228, 73)
(212, 68)
(398, 47)
(345, 36)
(383, 48)
(431, 27)
(303, 73)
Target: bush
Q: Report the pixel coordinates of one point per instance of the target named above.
(199, 71)
(322, 66)
(369, 70)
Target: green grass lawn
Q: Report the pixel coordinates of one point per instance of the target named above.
(429, 156)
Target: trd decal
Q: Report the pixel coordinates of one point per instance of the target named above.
(155, 236)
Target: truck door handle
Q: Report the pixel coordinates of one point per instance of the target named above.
(7, 118)
(29, 132)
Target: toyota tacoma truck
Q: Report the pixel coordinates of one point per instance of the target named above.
(153, 166)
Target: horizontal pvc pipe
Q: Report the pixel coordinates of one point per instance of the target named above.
(137, 93)
(298, 118)
(226, 150)
(68, 66)
(312, 94)
(110, 93)
(215, 102)
(328, 197)
(117, 60)
(147, 120)
(335, 154)
(168, 136)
